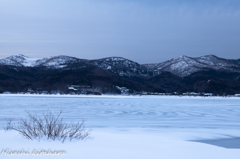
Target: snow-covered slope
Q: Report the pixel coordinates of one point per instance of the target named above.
(18, 60)
(55, 61)
(184, 66)
(121, 66)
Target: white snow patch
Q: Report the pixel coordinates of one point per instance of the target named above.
(111, 144)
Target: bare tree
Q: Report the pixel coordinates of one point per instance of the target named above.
(48, 126)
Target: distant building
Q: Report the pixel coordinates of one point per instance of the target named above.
(77, 87)
(191, 94)
(207, 94)
(123, 90)
(72, 88)
(161, 94)
(80, 86)
(154, 93)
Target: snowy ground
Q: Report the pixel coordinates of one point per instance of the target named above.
(132, 127)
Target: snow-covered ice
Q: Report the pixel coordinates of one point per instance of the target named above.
(132, 127)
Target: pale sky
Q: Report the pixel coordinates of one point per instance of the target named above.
(145, 31)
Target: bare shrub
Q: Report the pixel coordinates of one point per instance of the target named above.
(48, 126)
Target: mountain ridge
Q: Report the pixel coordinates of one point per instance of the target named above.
(181, 66)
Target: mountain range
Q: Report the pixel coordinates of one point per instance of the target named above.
(181, 66)
(178, 74)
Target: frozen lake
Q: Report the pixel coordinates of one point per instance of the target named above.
(134, 127)
(215, 114)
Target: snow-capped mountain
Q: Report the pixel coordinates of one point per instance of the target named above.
(121, 66)
(181, 66)
(184, 65)
(18, 60)
(57, 61)
(24, 61)
(118, 65)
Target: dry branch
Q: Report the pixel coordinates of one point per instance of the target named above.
(48, 126)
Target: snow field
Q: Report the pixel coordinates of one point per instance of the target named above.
(131, 127)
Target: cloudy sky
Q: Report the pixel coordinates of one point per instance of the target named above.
(145, 31)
